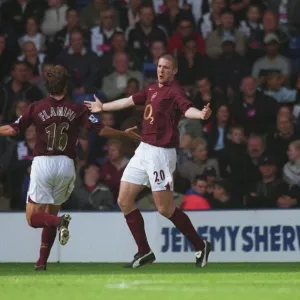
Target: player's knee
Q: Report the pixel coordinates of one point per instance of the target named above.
(125, 205)
(165, 211)
(28, 218)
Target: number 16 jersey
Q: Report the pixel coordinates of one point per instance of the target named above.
(57, 124)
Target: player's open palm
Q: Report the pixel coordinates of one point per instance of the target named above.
(95, 106)
(131, 133)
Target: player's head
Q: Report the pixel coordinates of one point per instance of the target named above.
(166, 68)
(56, 80)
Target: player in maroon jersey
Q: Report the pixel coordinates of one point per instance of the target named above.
(155, 159)
(57, 121)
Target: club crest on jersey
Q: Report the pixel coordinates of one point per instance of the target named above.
(93, 119)
(153, 96)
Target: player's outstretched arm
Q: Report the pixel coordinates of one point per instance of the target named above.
(110, 132)
(98, 106)
(7, 130)
(194, 113)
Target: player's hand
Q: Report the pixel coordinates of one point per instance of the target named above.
(131, 133)
(94, 107)
(206, 112)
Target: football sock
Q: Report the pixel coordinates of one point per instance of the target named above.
(185, 226)
(48, 238)
(43, 220)
(136, 225)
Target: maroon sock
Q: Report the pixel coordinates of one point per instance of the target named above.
(136, 225)
(184, 224)
(43, 220)
(48, 238)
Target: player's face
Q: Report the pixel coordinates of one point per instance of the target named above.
(200, 187)
(293, 153)
(200, 153)
(165, 71)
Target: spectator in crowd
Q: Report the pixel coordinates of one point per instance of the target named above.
(215, 38)
(216, 133)
(81, 63)
(272, 62)
(157, 49)
(235, 149)
(212, 19)
(206, 94)
(222, 198)
(129, 13)
(275, 89)
(271, 25)
(113, 168)
(185, 146)
(34, 59)
(61, 39)
(115, 84)
(252, 28)
(172, 14)
(55, 18)
(255, 111)
(89, 16)
(192, 64)
(6, 58)
(229, 68)
(89, 193)
(291, 170)
(41, 83)
(15, 12)
(196, 196)
(247, 174)
(279, 141)
(143, 33)
(185, 30)
(200, 161)
(288, 11)
(17, 88)
(211, 177)
(102, 34)
(266, 192)
(33, 35)
(118, 45)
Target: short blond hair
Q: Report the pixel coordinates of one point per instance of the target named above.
(296, 144)
(198, 142)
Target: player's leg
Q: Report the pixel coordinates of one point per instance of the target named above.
(166, 207)
(160, 169)
(47, 240)
(132, 183)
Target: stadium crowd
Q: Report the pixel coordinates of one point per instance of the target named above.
(241, 56)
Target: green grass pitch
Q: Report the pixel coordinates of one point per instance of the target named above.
(251, 281)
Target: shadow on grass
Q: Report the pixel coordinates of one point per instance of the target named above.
(19, 269)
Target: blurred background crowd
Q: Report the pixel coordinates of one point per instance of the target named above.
(242, 56)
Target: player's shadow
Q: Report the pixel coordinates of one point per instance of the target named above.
(116, 269)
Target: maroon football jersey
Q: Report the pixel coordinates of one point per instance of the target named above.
(57, 125)
(164, 107)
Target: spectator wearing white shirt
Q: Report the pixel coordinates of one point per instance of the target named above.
(33, 35)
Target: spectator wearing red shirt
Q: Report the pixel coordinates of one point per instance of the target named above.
(112, 169)
(195, 198)
(185, 30)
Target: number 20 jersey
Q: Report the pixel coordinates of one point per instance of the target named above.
(57, 125)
